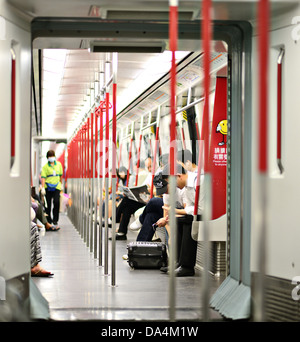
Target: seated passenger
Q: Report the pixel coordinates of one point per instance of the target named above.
(36, 254)
(185, 158)
(122, 181)
(144, 172)
(40, 215)
(186, 246)
(122, 177)
(152, 212)
(125, 209)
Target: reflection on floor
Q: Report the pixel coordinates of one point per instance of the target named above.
(79, 289)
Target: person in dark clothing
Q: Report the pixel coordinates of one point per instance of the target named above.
(153, 210)
(125, 209)
(186, 246)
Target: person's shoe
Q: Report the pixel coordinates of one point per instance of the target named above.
(164, 269)
(184, 272)
(136, 225)
(52, 228)
(120, 236)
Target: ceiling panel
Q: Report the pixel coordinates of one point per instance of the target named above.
(80, 66)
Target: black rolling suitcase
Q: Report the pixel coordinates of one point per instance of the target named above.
(144, 254)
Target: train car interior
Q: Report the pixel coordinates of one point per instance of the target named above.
(109, 84)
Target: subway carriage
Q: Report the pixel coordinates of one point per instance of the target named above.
(107, 85)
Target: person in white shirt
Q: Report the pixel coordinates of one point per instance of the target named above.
(186, 246)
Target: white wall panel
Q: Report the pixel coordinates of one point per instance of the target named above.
(283, 195)
(15, 185)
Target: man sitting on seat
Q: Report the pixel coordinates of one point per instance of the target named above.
(186, 246)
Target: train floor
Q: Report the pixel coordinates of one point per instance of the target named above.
(79, 290)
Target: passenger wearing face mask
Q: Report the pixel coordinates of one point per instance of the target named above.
(51, 186)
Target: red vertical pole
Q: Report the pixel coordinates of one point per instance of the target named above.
(173, 27)
(101, 144)
(199, 168)
(154, 158)
(120, 154)
(173, 35)
(206, 38)
(85, 155)
(96, 141)
(107, 135)
(119, 162)
(138, 160)
(263, 44)
(114, 131)
(82, 153)
(88, 147)
(129, 159)
(92, 145)
(263, 66)
(183, 138)
(73, 159)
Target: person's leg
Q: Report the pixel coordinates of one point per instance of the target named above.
(56, 202)
(188, 248)
(36, 254)
(154, 205)
(120, 209)
(49, 195)
(180, 222)
(40, 215)
(129, 208)
(35, 246)
(146, 233)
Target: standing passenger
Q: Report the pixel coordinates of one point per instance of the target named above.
(51, 186)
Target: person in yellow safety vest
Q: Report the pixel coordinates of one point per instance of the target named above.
(51, 186)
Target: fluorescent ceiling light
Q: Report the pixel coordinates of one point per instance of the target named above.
(53, 70)
(154, 70)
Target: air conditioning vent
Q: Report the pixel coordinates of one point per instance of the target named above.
(146, 15)
(127, 46)
(140, 14)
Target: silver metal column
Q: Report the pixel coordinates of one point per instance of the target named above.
(206, 245)
(100, 240)
(106, 228)
(113, 247)
(96, 184)
(173, 248)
